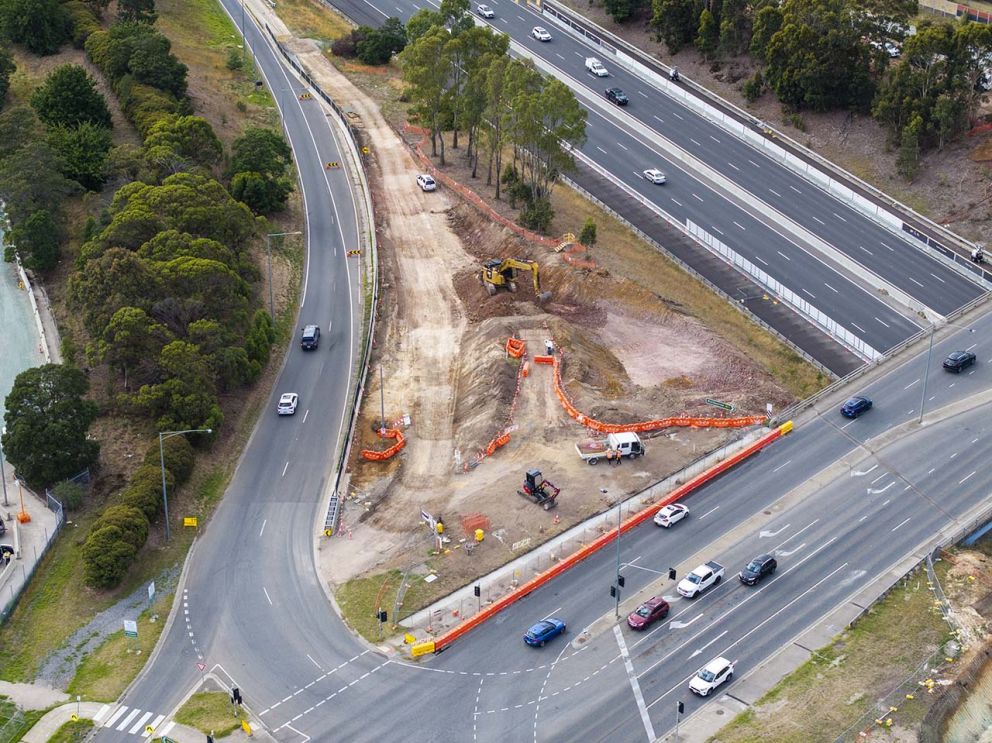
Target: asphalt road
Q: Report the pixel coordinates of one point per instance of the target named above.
(629, 140)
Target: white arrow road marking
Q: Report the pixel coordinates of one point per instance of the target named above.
(675, 624)
(762, 534)
(878, 491)
(859, 473)
(698, 651)
(854, 577)
(789, 553)
(638, 697)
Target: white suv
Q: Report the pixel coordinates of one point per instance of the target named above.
(710, 676)
(426, 182)
(287, 403)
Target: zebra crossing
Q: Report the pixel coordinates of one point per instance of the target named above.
(132, 721)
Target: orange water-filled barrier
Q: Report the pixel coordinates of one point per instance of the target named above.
(386, 433)
(516, 347)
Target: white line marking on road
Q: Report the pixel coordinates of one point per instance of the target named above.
(267, 596)
(775, 192)
(127, 720)
(260, 531)
(601, 149)
(697, 198)
(698, 651)
(938, 278)
(284, 469)
(810, 293)
(551, 614)
(886, 245)
(100, 713)
(659, 119)
(974, 441)
(859, 327)
(759, 258)
(734, 167)
(839, 217)
(781, 466)
(859, 473)
(306, 414)
(621, 146)
(862, 518)
(962, 482)
(708, 513)
(677, 202)
(911, 383)
(153, 725)
(716, 229)
(818, 219)
(141, 721)
(830, 288)
(883, 322)
(901, 524)
(714, 139)
(972, 371)
(783, 255)
(915, 281)
(739, 225)
(795, 189)
(954, 455)
(635, 687)
(167, 729)
(870, 253)
(695, 142)
(642, 93)
(677, 116)
(880, 477)
(754, 163)
(113, 718)
(559, 56)
(314, 662)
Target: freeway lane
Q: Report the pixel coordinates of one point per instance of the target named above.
(253, 568)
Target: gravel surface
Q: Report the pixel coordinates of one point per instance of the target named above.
(59, 668)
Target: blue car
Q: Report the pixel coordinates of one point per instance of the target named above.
(855, 407)
(546, 629)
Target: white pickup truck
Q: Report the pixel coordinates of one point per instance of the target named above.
(623, 444)
(705, 576)
(594, 66)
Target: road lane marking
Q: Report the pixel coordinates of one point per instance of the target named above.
(314, 662)
(153, 725)
(810, 293)
(284, 469)
(714, 139)
(551, 614)
(677, 116)
(773, 190)
(818, 219)
(830, 288)
(141, 721)
(661, 120)
(559, 56)
(880, 477)
(781, 466)
(885, 245)
(113, 718)
(708, 513)
(883, 323)
(759, 258)
(968, 349)
(716, 229)
(783, 255)
(739, 225)
(101, 712)
(901, 524)
(859, 327)
(734, 167)
(911, 383)
(697, 198)
(795, 189)
(938, 278)
(915, 281)
(870, 253)
(755, 164)
(641, 92)
(695, 142)
(635, 687)
(167, 729)
(621, 146)
(127, 720)
(962, 482)
(267, 596)
(601, 149)
(677, 202)
(839, 217)
(698, 651)
(306, 414)
(263, 527)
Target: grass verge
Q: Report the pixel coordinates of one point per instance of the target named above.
(209, 712)
(72, 732)
(14, 723)
(105, 674)
(307, 19)
(823, 697)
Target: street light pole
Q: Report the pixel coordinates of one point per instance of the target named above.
(162, 436)
(268, 245)
(926, 372)
(619, 512)
(3, 473)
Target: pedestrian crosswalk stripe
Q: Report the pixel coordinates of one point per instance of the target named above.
(101, 712)
(140, 723)
(153, 725)
(113, 718)
(126, 720)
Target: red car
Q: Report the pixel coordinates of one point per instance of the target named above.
(647, 613)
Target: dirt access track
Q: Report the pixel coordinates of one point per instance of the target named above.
(440, 347)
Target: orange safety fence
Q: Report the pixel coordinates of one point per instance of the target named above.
(544, 359)
(502, 438)
(386, 433)
(653, 425)
(516, 347)
(603, 540)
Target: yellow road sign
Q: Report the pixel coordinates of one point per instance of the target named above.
(190, 521)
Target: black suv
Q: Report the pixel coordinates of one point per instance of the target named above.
(617, 96)
(757, 569)
(311, 338)
(958, 361)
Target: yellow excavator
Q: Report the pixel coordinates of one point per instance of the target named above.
(502, 272)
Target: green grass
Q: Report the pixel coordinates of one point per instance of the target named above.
(210, 712)
(105, 674)
(12, 730)
(307, 19)
(72, 732)
(831, 691)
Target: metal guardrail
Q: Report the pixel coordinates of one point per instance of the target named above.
(367, 235)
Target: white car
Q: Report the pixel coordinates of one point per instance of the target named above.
(485, 11)
(426, 182)
(540, 33)
(671, 514)
(655, 176)
(710, 676)
(287, 403)
(594, 66)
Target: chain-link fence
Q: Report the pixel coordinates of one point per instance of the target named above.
(12, 724)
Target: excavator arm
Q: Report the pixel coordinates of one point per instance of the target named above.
(498, 273)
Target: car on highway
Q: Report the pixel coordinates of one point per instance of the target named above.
(594, 66)
(311, 338)
(710, 676)
(485, 11)
(655, 176)
(540, 33)
(426, 182)
(958, 361)
(757, 569)
(543, 631)
(617, 96)
(670, 514)
(287, 403)
(855, 406)
(648, 613)
(705, 576)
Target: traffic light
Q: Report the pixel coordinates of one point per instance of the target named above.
(671, 574)
(382, 615)
(620, 581)
(478, 591)
(236, 695)
(210, 739)
(613, 592)
(681, 708)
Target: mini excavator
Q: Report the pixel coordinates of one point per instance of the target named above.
(502, 272)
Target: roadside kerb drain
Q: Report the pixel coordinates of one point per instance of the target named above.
(551, 573)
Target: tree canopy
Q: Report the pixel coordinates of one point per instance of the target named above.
(69, 97)
(42, 26)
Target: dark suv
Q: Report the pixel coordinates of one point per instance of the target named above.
(617, 96)
(958, 361)
(311, 338)
(757, 569)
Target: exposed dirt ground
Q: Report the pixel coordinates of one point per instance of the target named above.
(953, 186)
(441, 351)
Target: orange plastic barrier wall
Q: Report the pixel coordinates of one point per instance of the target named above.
(389, 433)
(682, 421)
(516, 347)
(551, 573)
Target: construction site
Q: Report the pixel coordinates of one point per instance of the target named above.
(499, 353)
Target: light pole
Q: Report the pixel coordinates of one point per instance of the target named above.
(268, 245)
(619, 577)
(3, 471)
(926, 371)
(162, 436)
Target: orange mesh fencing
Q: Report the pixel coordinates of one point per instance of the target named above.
(386, 433)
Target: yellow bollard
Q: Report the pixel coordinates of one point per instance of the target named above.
(479, 535)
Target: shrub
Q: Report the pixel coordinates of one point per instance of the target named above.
(107, 555)
(146, 496)
(754, 87)
(70, 494)
(537, 215)
(84, 21)
(131, 522)
(179, 458)
(588, 235)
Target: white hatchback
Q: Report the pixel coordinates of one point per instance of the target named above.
(287, 403)
(426, 182)
(540, 33)
(485, 11)
(671, 514)
(710, 676)
(655, 176)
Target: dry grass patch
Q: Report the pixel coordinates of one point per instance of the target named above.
(310, 20)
